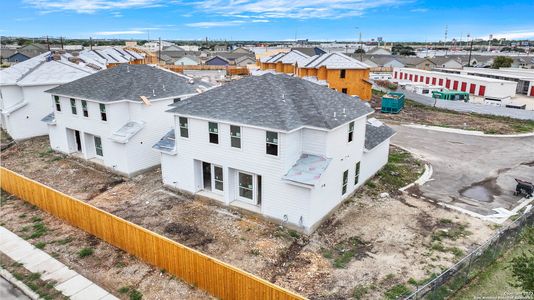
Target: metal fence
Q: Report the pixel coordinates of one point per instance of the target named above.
(454, 278)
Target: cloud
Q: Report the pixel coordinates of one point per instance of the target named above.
(215, 24)
(90, 6)
(125, 32)
(292, 9)
(419, 10)
(513, 35)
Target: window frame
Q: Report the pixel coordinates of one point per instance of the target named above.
(183, 128)
(73, 108)
(343, 73)
(85, 110)
(213, 134)
(344, 182)
(357, 173)
(97, 148)
(57, 102)
(252, 189)
(216, 180)
(350, 136)
(345, 91)
(274, 142)
(235, 137)
(103, 112)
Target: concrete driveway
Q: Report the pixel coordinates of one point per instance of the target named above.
(473, 173)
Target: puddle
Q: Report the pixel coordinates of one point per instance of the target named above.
(483, 191)
(479, 193)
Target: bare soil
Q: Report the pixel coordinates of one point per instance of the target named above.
(370, 241)
(416, 113)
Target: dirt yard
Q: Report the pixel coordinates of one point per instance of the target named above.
(374, 246)
(425, 115)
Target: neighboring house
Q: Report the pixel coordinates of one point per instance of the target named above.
(340, 72)
(285, 62)
(378, 51)
(447, 62)
(310, 51)
(220, 48)
(276, 145)
(187, 61)
(23, 101)
(416, 62)
(217, 61)
(380, 61)
(113, 56)
(242, 50)
(17, 57)
(244, 61)
(114, 117)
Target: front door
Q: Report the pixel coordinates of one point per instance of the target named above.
(206, 175)
(78, 140)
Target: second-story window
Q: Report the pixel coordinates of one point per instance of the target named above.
(351, 131)
(58, 104)
(214, 132)
(272, 143)
(84, 108)
(73, 106)
(184, 127)
(103, 114)
(342, 73)
(235, 136)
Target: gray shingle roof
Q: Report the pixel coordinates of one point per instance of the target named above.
(375, 135)
(274, 101)
(129, 82)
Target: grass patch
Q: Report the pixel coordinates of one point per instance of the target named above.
(135, 295)
(396, 292)
(40, 245)
(64, 241)
(39, 229)
(84, 252)
(255, 252)
(359, 291)
(343, 252)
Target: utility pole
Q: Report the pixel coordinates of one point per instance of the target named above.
(445, 41)
(47, 43)
(470, 50)
(159, 52)
(90, 43)
(61, 39)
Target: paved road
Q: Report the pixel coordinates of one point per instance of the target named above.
(471, 172)
(10, 292)
(461, 106)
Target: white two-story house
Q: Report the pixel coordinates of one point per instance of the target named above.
(114, 117)
(277, 145)
(23, 100)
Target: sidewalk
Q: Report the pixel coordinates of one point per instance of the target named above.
(68, 281)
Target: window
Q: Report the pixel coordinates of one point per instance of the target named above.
(235, 136)
(176, 100)
(214, 132)
(357, 173)
(98, 146)
(345, 181)
(344, 90)
(246, 189)
(103, 114)
(218, 178)
(351, 131)
(272, 143)
(73, 106)
(58, 104)
(84, 108)
(184, 127)
(342, 73)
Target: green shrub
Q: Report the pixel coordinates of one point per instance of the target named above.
(85, 252)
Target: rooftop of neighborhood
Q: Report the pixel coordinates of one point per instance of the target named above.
(279, 102)
(130, 82)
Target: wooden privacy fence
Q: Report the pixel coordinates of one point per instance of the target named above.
(202, 271)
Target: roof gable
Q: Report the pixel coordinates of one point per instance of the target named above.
(336, 60)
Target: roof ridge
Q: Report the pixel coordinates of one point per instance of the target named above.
(30, 70)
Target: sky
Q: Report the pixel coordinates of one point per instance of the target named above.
(327, 20)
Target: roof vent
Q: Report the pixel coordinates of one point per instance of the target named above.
(153, 92)
(163, 87)
(191, 81)
(127, 68)
(335, 118)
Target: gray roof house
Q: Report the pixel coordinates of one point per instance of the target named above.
(113, 117)
(276, 145)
